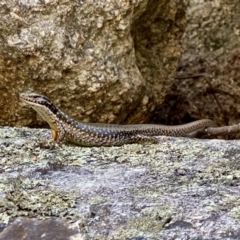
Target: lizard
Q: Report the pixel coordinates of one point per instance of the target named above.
(100, 134)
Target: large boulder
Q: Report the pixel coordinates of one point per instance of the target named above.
(101, 61)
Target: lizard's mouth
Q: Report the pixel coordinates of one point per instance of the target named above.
(31, 97)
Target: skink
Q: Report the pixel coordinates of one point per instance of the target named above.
(97, 134)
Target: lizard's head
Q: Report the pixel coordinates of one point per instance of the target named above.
(35, 99)
(38, 102)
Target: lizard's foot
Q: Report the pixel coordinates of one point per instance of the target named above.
(49, 143)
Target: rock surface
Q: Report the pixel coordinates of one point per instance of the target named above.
(211, 46)
(103, 61)
(35, 229)
(178, 189)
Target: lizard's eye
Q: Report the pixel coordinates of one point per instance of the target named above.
(42, 98)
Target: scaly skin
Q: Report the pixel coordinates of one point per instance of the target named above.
(97, 134)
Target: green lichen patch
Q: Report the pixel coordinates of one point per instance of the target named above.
(32, 198)
(150, 223)
(148, 192)
(235, 212)
(228, 203)
(97, 200)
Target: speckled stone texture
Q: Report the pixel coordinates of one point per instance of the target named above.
(101, 61)
(211, 45)
(178, 189)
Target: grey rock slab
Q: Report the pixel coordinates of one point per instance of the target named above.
(178, 189)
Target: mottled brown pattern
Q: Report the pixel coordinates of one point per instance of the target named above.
(96, 134)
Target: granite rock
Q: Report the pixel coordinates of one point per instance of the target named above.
(101, 61)
(178, 189)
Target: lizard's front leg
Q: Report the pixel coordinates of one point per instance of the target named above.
(59, 134)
